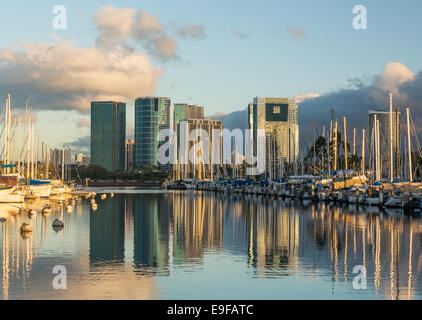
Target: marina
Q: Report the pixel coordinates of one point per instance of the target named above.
(172, 244)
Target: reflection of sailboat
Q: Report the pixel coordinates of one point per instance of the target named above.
(394, 212)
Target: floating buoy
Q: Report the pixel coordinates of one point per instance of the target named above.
(32, 213)
(26, 227)
(103, 197)
(58, 224)
(3, 219)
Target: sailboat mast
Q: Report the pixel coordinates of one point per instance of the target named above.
(335, 145)
(363, 151)
(391, 139)
(409, 146)
(345, 144)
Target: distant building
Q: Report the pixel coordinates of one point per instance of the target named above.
(200, 169)
(152, 114)
(79, 158)
(130, 147)
(56, 157)
(82, 160)
(278, 118)
(86, 160)
(184, 111)
(108, 134)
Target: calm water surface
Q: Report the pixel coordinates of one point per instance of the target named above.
(193, 245)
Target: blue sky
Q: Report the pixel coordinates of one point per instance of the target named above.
(223, 72)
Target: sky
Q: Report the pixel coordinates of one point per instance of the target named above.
(219, 54)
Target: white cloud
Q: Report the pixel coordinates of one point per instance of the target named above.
(126, 26)
(305, 96)
(61, 76)
(83, 123)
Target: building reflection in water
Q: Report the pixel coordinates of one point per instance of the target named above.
(156, 234)
(107, 232)
(151, 234)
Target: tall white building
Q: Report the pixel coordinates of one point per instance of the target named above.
(277, 118)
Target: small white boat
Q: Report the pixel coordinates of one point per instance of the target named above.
(395, 202)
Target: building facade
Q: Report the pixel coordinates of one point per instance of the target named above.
(199, 159)
(152, 114)
(108, 134)
(57, 156)
(277, 118)
(130, 148)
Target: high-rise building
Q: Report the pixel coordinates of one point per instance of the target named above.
(57, 156)
(79, 158)
(108, 134)
(184, 111)
(384, 127)
(130, 147)
(278, 119)
(152, 114)
(203, 165)
(86, 160)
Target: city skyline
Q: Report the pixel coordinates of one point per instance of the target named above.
(191, 68)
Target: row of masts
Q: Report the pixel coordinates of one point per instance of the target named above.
(371, 161)
(23, 153)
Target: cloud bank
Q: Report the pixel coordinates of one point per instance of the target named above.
(62, 76)
(352, 102)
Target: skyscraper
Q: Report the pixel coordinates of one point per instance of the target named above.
(108, 134)
(184, 111)
(152, 114)
(278, 118)
(203, 166)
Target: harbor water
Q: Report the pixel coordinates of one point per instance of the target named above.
(157, 244)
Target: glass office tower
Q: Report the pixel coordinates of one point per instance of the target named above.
(152, 114)
(108, 134)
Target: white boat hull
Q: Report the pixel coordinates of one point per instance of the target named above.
(40, 191)
(10, 195)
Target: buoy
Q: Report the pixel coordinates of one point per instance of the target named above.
(3, 219)
(26, 227)
(32, 213)
(103, 197)
(58, 225)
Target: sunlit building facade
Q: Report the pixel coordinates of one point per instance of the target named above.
(278, 119)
